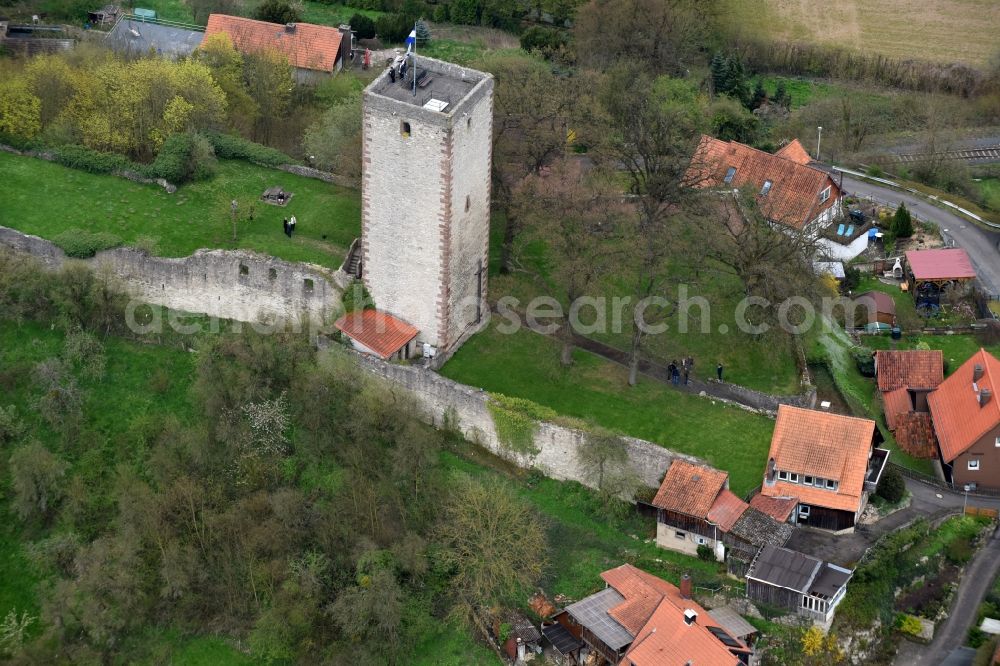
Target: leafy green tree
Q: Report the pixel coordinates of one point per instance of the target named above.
(334, 140)
(20, 110)
(423, 32)
(363, 26)
(370, 613)
(892, 486)
(37, 480)
(759, 95)
(731, 121)
(277, 11)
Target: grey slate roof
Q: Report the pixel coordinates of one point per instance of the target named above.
(139, 37)
(761, 529)
(785, 568)
(592, 613)
(732, 621)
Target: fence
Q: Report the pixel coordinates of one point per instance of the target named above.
(942, 485)
(982, 511)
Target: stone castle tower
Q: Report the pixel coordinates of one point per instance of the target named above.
(426, 198)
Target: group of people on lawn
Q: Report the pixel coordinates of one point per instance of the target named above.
(684, 370)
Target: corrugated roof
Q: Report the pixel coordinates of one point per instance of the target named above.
(779, 508)
(593, 612)
(726, 510)
(307, 46)
(785, 568)
(733, 622)
(943, 264)
(379, 331)
(913, 368)
(829, 581)
(794, 196)
(822, 444)
(896, 404)
(959, 418)
(690, 489)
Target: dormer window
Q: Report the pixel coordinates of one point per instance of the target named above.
(831, 484)
(824, 195)
(783, 476)
(730, 174)
(767, 188)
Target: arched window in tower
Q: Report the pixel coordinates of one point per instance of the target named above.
(404, 129)
(468, 203)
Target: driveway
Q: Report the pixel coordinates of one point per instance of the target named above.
(978, 242)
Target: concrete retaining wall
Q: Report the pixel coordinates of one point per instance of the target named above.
(239, 285)
(441, 398)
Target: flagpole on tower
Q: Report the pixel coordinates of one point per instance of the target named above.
(413, 36)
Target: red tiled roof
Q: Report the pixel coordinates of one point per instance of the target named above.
(381, 332)
(653, 611)
(959, 419)
(726, 510)
(779, 508)
(896, 403)
(794, 197)
(822, 444)
(876, 302)
(690, 489)
(308, 46)
(949, 264)
(914, 368)
(794, 151)
(915, 435)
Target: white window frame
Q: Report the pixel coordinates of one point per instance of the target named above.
(730, 174)
(819, 482)
(702, 541)
(825, 194)
(997, 443)
(805, 510)
(831, 484)
(973, 464)
(782, 476)
(793, 477)
(807, 480)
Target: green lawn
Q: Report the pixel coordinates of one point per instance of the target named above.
(45, 199)
(526, 365)
(332, 14)
(169, 10)
(802, 91)
(990, 189)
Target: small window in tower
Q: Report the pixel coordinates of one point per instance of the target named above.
(468, 123)
(272, 273)
(404, 129)
(244, 269)
(309, 285)
(468, 202)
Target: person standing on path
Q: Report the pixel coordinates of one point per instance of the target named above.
(686, 369)
(718, 371)
(284, 225)
(672, 371)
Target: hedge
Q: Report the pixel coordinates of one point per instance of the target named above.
(81, 244)
(85, 159)
(229, 147)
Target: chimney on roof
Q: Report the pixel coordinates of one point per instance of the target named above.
(977, 372)
(689, 617)
(984, 396)
(289, 27)
(685, 586)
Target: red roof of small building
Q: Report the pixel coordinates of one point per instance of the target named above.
(875, 302)
(653, 612)
(381, 332)
(794, 196)
(915, 435)
(726, 510)
(307, 46)
(946, 264)
(690, 489)
(896, 403)
(830, 446)
(960, 420)
(795, 152)
(912, 368)
(779, 508)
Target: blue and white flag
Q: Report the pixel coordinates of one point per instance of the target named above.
(411, 40)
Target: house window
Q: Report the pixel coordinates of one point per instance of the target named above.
(824, 195)
(793, 477)
(701, 541)
(404, 129)
(804, 509)
(808, 480)
(783, 476)
(831, 484)
(997, 443)
(729, 175)
(819, 483)
(680, 535)
(767, 187)
(974, 464)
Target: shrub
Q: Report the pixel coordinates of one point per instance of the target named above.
(184, 157)
(542, 39)
(85, 159)
(363, 25)
(81, 243)
(705, 553)
(516, 420)
(864, 359)
(891, 487)
(229, 147)
(277, 11)
(959, 550)
(909, 624)
(393, 27)
(852, 278)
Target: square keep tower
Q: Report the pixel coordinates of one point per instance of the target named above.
(425, 189)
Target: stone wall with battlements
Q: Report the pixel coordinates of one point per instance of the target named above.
(239, 285)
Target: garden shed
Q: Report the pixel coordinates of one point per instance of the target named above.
(932, 271)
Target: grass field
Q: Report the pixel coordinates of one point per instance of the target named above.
(990, 189)
(946, 31)
(321, 13)
(45, 199)
(526, 365)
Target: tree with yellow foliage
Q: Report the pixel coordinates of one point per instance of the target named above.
(20, 111)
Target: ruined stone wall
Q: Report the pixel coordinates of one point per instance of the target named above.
(441, 398)
(239, 285)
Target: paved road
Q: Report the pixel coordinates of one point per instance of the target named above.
(979, 243)
(952, 632)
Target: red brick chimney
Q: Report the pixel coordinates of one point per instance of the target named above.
(685, 586)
